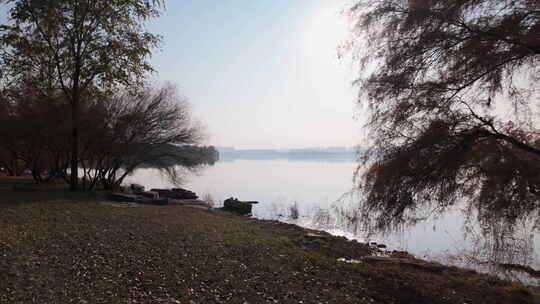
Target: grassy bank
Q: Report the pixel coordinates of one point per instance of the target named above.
(79, 250)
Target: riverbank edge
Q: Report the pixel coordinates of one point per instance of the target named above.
(400, 279)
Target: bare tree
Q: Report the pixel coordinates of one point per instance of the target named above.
(138, 128)
(450, 90)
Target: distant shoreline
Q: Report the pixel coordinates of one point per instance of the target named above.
(334, 154)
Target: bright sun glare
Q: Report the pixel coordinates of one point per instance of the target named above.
(326, 29)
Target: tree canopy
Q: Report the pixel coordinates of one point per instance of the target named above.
(80, 43)
(75, 45)
(450, 92)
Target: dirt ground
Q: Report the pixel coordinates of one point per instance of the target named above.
(81, 250)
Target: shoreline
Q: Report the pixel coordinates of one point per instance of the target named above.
(83, 250)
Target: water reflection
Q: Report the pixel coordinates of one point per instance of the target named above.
(499, 247)
(496, 245)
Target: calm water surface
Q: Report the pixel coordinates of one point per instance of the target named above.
(318, 188)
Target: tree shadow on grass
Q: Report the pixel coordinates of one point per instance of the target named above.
(28, 192)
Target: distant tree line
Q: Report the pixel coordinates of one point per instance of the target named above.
(187, 155)
(75, 101)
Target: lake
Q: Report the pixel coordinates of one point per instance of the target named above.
(320, 188)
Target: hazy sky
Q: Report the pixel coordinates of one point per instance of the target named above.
(261, 74)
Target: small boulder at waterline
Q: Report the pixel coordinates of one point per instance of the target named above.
(149, 194)
(137, 187)
(186, 193)
(177, 193)
(236, 206)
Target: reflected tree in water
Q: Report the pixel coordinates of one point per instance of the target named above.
(499, 247)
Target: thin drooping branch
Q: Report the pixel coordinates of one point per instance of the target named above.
(440, 79)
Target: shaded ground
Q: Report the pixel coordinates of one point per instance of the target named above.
(83, 251)
(47, 192)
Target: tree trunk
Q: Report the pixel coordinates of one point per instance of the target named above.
(74, 179)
